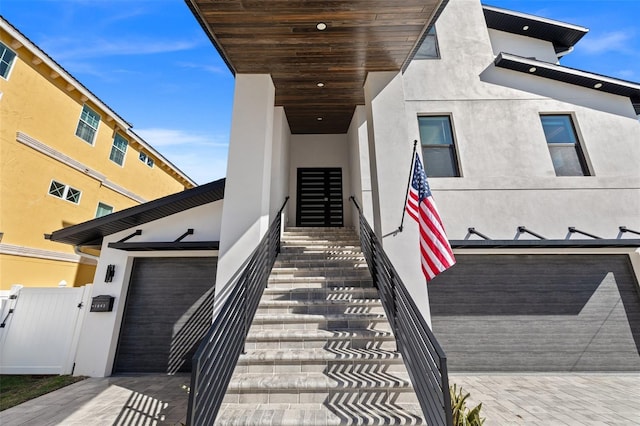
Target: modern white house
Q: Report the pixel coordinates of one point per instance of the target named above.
(534, 167)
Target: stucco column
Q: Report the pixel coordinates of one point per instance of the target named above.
(390, 151)
(245, 213)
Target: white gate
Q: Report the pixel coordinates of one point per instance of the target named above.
(40, 336)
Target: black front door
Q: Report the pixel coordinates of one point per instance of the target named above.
(319, 197)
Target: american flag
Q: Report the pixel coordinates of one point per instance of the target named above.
(435, 251)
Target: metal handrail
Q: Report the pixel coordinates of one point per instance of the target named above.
(423, 356)
(218, 353)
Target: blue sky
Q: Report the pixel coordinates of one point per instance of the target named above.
(150, 61)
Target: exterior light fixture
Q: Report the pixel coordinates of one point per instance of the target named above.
(321, 26)
(533, 69)
(525, 28)
(320, 84)
(111, 270)
(319, 118)
(597, 85)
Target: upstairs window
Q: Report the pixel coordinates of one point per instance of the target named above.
(7, 57)
(146, 159)
(103, 210)
(564, 147)
(88, 125)
(118, 150)
(65, 192)
(429, 47)
(438, 148)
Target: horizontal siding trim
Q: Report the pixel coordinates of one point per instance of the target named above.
(76, 165)
(13, 250)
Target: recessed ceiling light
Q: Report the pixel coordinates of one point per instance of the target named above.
(597, 85)
(525, 28)
(319, 118)
(320, 84)
(533, 69)
(321, 26)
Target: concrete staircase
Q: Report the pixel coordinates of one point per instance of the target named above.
(320, 350)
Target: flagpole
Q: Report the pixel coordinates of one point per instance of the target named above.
(406, 197)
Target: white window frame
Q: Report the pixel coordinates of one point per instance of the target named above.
(80, 120)
(11, 64)
(146, 159)
(114, 148)
(100, 203)
(65, 192)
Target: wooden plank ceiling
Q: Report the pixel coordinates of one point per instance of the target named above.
(280, 37)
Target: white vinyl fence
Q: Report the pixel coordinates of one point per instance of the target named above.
(40, 336)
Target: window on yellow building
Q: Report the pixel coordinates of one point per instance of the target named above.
(7, 56)
(118, 150)
(88, 125)
(146, 159)
(65, 192)
(103, 210)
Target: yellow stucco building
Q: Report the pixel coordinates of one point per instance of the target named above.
(65, 157)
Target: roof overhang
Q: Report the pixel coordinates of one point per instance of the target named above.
(281, 38)
(91, 233)
(562, 35)
(573, 76)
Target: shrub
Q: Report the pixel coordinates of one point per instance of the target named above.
(463, 416)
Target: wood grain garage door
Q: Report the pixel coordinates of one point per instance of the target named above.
(538, 313)
(168, 309)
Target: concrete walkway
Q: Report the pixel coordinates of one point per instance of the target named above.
(559, 399)
(508, 399)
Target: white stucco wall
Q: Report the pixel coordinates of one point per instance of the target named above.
(319, 151)
(507, 174)
(245, 218)
(527, 47)
(99, 335)
(280, 162)
(359, 164)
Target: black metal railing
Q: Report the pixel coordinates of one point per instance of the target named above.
(423, 356)
(217, 355)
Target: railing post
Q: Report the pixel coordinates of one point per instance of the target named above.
(246, 314)
(394, 302)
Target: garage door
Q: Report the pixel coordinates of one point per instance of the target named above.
(538, 313)
(168, 310)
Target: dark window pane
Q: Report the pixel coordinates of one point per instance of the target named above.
(439, 161)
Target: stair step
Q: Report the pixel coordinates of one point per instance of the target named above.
(302, 294)
(276, 356)
(360, 272)
(353, 306)
(330, 413)
(320, 339)
(297, 263)
(317, 382)
(319, 282)
(325, 322)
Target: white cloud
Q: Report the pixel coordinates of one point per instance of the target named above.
(626, 74)
(201, 156)
(72, 48)
(170, 137)
(615, 41)
(208, 68)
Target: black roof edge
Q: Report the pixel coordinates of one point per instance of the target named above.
(592, 243)
(563, 35)
(574, 76)
(92, 231)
